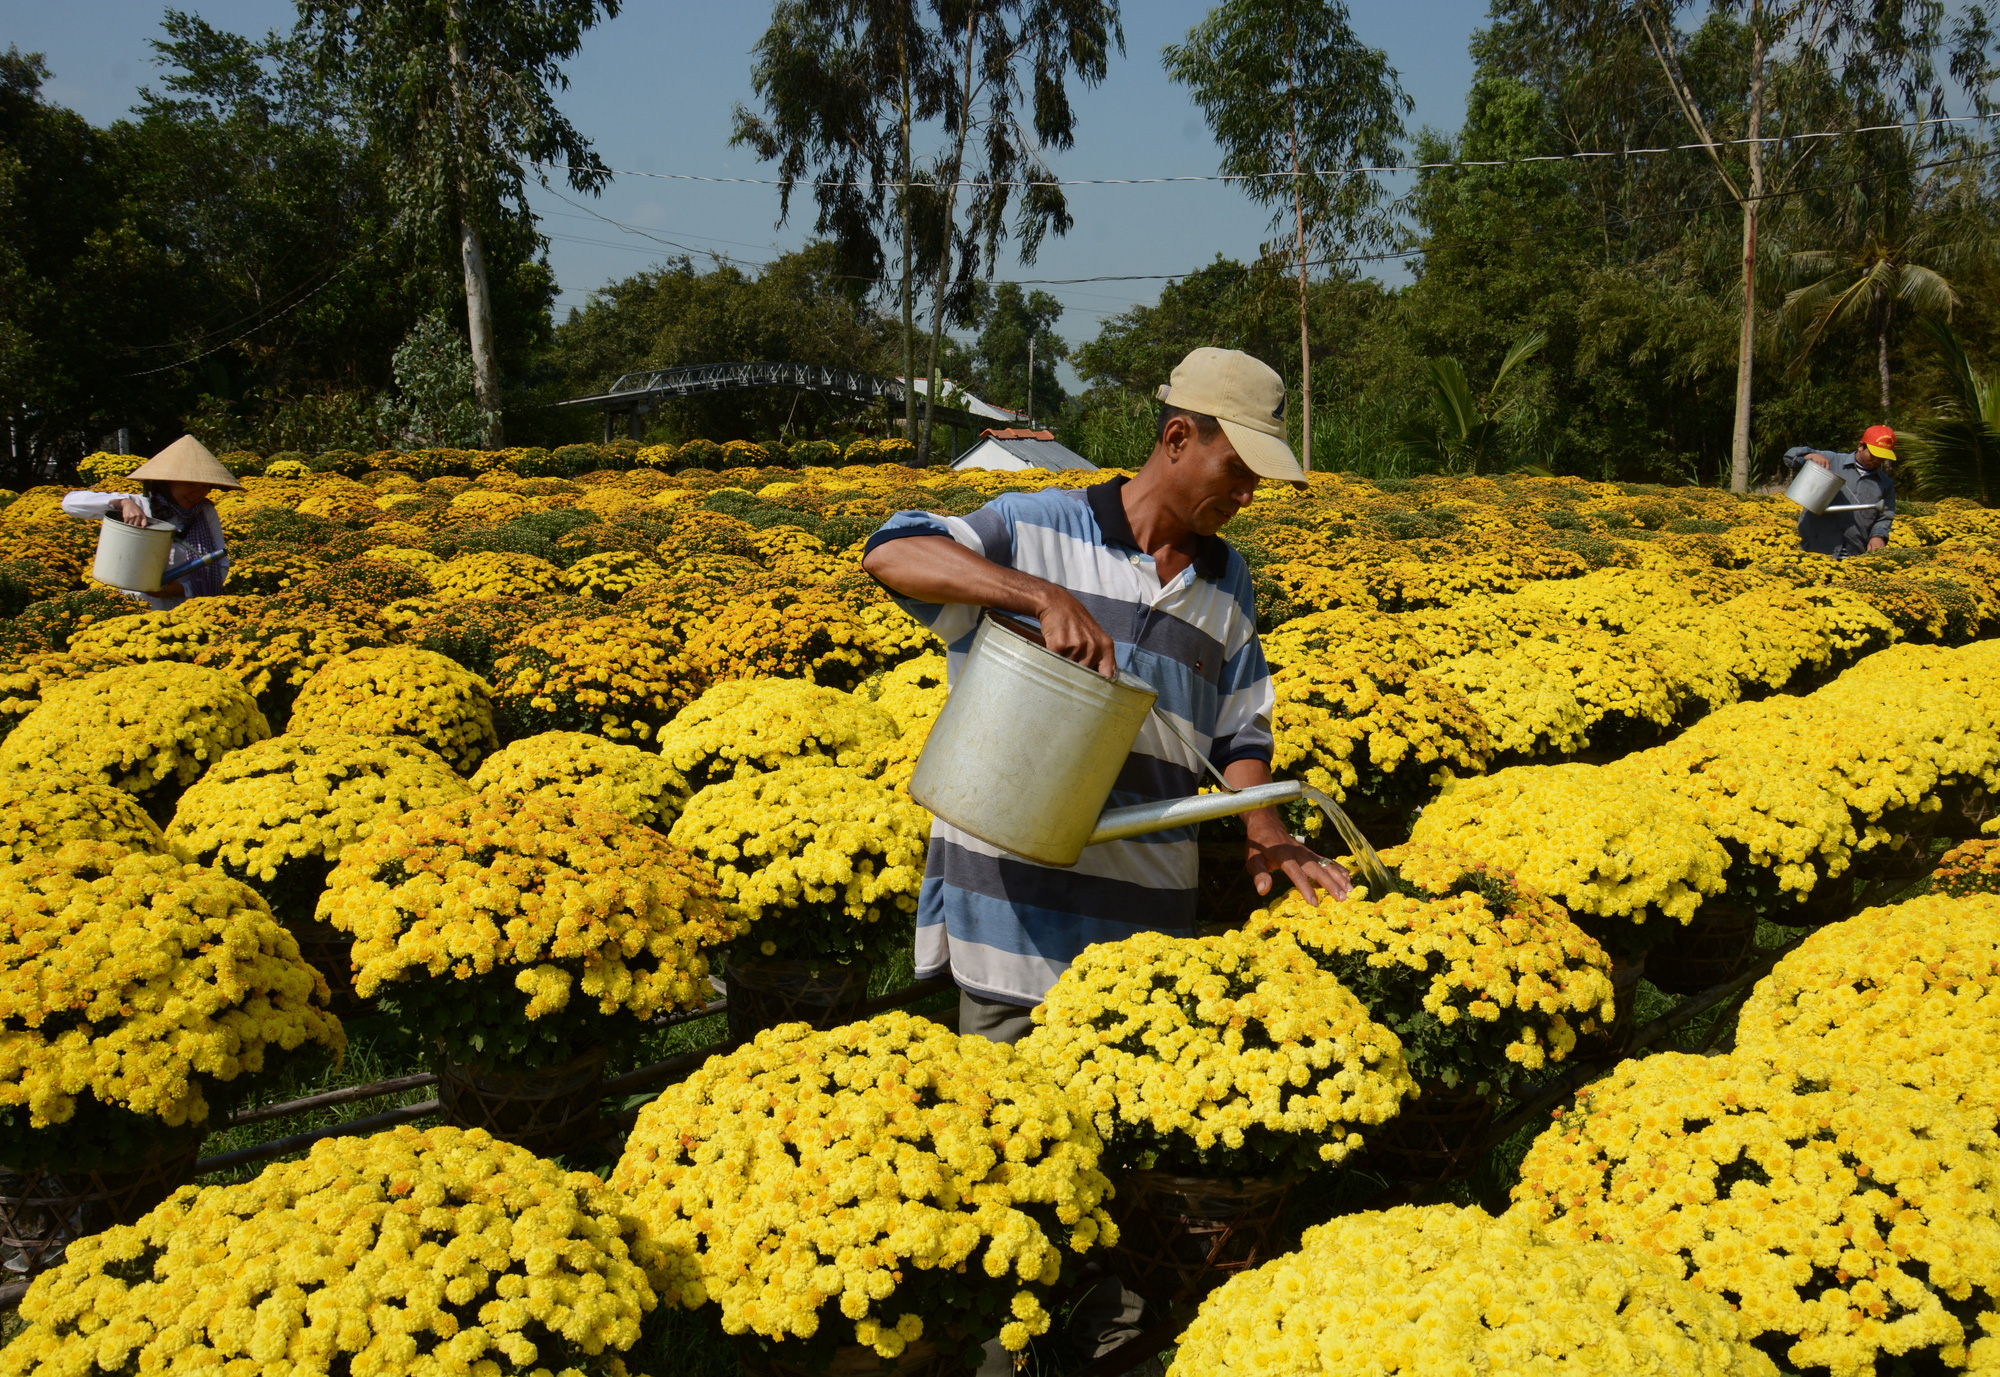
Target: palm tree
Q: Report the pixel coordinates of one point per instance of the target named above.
(1462, 430)
(1957, 452)
(1872, 261)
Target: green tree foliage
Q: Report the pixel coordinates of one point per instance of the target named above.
(222, 262)
(436, 402)
(846, 88)
(1007, 318)
(1957, 450)
(799, 309)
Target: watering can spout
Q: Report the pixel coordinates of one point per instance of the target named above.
(1115, 824)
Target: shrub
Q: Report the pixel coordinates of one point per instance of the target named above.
(495, 575)
(607, 676)
(656, 458)
(571, 460)
(699, 454)
(344, 462)
(1611, 850)
(995, 1192)
(1907, 992)
(513, 931)
(608, 577)
(277, 815)
(814, 862)
(1378, 737)
(101, 469)
(1473, 1294)
(1217, 1056)
(634, 784)
(140, 994)
(282, 643)
(1484, 983)
(54, 623)
(151, 730)
(47, 811)
(371, 1255)
(402, 691)
(758, 725)
(1847, 1221)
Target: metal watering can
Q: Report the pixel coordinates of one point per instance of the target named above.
(135, 557)
(1814, 489)
(1029, 744)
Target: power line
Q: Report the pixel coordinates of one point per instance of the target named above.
(1388, 256)
(266, 320)
(1384, 169)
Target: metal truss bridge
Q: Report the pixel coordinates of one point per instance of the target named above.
(635, 394)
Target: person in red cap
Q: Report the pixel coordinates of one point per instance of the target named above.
(1865, 481)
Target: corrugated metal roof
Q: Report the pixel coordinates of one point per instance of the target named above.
(1036, 453)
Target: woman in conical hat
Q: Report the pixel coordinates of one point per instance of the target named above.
(177, 483)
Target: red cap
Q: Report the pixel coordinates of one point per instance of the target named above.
(1881, 441)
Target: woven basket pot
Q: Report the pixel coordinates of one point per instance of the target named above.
(331, 952)
(1715, 947)
(546, 1110)
(920, 1359)
(763, 994)
(1612, 1041)
(1903, 857)
(43, 1210)
(1181, 1236)
(1433, 1137)
(1967, 808)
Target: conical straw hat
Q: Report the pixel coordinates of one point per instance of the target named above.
(186, 460)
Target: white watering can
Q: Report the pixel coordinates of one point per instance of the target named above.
(1814, 489)
(1029, 744)
(135, 557)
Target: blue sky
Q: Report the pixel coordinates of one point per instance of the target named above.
(653, 90)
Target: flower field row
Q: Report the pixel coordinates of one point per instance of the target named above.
(544, 753)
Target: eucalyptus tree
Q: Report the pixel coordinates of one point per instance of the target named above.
(461, 93)
(1299, 105)
(928, 99)
(845, 86)
(1011, 62)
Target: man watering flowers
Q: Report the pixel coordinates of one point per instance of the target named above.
(1865, 481)
(1129, 575)
(176, 484)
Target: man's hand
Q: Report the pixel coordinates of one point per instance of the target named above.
(1272, 851)
(936, 569)
(1309, 873)
(1071, 632)
(1876, 543)
(130, 512)
(1820, 459)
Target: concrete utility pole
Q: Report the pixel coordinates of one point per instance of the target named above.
(1031, 379)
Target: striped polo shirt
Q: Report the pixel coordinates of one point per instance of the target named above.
(1005, 926)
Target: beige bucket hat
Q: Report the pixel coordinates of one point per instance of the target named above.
(1248, 397)
(186, 460)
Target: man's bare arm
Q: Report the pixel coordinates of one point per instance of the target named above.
(938, 569)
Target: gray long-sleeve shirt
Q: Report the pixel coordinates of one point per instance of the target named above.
(1846, 533)
(197, 532)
